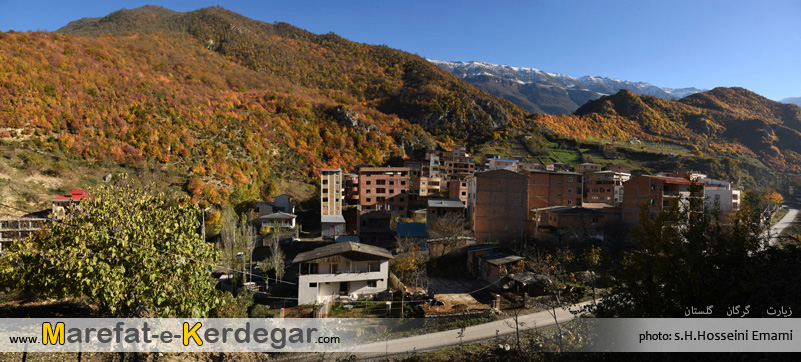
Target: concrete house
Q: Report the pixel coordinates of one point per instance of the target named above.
(491, 264)
(341, 270)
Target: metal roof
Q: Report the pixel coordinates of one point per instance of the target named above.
(576, 210)
(278, 215)
(449, 203)
(342, 248)
(500, 258)
(332, 219)
(412, 229)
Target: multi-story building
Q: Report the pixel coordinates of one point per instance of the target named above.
(351, 189)
(375, 227)
(656, 193)
(503, 164)
(499, 209)
(567, 224)
(605, 187)
(438, 208)
(341, 270)
(458, 165)
(529, 166)
(332, 193)
(587, 167)
(425, 186)
(458, 190)
(719, 194)
(384, 188)
(553, 188)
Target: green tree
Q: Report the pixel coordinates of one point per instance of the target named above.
(276, 259)
(127, 251)
(684, 258)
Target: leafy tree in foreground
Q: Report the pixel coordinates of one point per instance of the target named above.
(129, 252)
(688, 258)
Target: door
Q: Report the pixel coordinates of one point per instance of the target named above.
(344, 287)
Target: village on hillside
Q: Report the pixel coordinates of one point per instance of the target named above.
(441, 235)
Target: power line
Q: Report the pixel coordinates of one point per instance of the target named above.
(153, 248)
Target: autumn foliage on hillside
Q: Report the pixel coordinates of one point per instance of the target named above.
(385, 79)
(730, 122)
(159, 97)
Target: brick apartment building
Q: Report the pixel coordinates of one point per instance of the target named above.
(605, 187)
(497, 205)
(458, 190)
(384, 188)
(657, 193)
(553, 188)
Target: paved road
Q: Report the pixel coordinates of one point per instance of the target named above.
(777, 229)
(486, 331)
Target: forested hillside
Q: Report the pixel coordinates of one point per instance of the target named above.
(225, 105)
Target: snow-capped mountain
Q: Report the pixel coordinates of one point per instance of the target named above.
(792, 100)
(546, 92)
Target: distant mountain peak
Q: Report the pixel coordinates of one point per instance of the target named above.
(792, 100)
(546, 92)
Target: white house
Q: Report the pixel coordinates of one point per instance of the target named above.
(278, 219)
(720, 193)
(341, 269)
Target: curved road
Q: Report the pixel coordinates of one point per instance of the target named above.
(481, 332)
(786, 221)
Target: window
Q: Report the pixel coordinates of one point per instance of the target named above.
(367, 199)
(325, 199)
(381, 190)
(464, 193)
(569, 190)
(570, 202)
(374, 266)
(333, 268)
(372, 284)
(595, 220)
(312, 285)
(325, 191)
(400, 208)
(367, 182)
(325, 182)
(391, 183)
(403, 183)
(570, 179)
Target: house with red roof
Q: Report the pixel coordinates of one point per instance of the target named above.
(63, 203)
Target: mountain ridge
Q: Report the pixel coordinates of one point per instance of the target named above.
(527, 87)
(792, 100)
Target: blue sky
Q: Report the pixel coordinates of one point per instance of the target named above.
(705, 44)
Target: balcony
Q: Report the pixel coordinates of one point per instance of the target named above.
(341, 277)
(682, 194)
